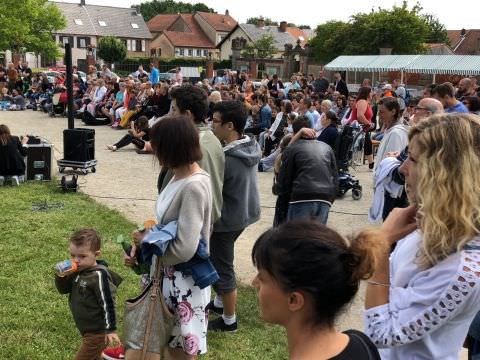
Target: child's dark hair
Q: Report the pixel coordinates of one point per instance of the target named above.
(87, 236)
(332, 116)
(232, 111)
(304, 255)
(142, 123)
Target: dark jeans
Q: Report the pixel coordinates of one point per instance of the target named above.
(390, 203)
(269, 144)
(281, 210)
(129, 139)
(222, 255)
(316, 210)
(367, 145)
(253, 130)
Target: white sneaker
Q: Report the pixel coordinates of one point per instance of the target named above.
(15, 180)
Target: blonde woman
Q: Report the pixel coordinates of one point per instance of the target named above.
(421, 301)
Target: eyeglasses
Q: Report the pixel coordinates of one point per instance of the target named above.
(420, 108)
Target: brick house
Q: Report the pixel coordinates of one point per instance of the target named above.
(188, 35)
(465, 42)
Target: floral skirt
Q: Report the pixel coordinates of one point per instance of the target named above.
(188, 302)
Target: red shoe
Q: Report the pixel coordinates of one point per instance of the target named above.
(115, 353)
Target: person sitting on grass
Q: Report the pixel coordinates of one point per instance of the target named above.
(91, 290)
(137, 135)
(12, 152)
(286, 257)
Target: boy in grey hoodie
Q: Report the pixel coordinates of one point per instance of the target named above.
(241, 205)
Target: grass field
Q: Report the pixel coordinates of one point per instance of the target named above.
(35, 322)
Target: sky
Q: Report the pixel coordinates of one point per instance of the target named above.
(313, 13)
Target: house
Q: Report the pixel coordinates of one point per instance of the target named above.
(188, 35)
(465, 42)
(86, 24)
(282, 35)
(438, 49)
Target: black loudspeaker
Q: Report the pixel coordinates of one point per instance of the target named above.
(79, 145)
(39, 162)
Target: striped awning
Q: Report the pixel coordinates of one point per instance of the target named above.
(424, 64)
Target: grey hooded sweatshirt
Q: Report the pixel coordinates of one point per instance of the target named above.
(241, 200)
(394, 139)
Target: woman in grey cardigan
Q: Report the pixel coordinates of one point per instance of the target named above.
(187, 199)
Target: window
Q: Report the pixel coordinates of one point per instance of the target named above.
(129, 45)
(135, 26)
(205, 53)
(143, 45)
(182, 52)
(78, 21)
(177, 51)
(190, 52)
(66, 40)
(138, 45)
(83, 42)
(102, 23)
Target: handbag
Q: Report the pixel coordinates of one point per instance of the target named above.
(148, 322)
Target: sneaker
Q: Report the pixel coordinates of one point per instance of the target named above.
(15, 180)
(219, 325)
(112, 147)
(114, 353)
(211, 307)
(2, 180)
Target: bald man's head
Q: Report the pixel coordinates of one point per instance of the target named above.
(465, 86)
(425, 108)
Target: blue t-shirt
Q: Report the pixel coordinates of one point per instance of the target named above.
(458, 108)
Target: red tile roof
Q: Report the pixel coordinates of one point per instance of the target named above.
(218, 21)
(297, 33)
(188, 39)
(161, 22)
(454, 36)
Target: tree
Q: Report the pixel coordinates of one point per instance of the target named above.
(263, 48)
(30, 25)
(437, 33)
(111, 49)
(330, 40)
(150, 9)
(268, 21)
(403, 30)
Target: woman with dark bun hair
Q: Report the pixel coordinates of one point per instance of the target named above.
(307, 274)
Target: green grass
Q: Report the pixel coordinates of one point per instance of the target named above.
(35, 321)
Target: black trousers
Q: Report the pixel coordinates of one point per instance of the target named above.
(269, 144)
(129, 139)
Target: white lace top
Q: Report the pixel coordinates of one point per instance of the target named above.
(430, 311)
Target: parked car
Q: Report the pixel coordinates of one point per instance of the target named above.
(188, 73)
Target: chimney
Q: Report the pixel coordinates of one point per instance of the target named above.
(283, 26)
(227, 13)
(463, 32)
(82, 2)
(261, 23)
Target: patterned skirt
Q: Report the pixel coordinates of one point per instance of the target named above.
(188, 302)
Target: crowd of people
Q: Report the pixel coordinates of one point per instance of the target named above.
(210, 138)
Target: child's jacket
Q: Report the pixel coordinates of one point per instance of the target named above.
(92, 298)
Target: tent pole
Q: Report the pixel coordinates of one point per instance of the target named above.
(401, 77)
(434, 76)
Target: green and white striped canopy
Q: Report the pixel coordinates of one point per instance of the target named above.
(423, 64)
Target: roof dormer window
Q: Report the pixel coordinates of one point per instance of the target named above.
(135, 26)
(102, 23)
(78, 21)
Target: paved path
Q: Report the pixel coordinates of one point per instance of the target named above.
(125, 174)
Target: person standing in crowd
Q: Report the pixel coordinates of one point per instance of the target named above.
(422, 298)
(308, 176)
(154, 74)
(362, 113)
(465, 88)
(472, 103)
(340, 85)
(320, 84)
(308, 306)
(401, 94)
(241, 206)
(445, 93)
(178, 76)
(186, 199)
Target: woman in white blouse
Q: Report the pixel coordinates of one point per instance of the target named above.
(422, 299)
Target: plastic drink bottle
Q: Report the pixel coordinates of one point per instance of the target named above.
(66, 267)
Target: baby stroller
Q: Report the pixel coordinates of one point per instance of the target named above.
(345, 148)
